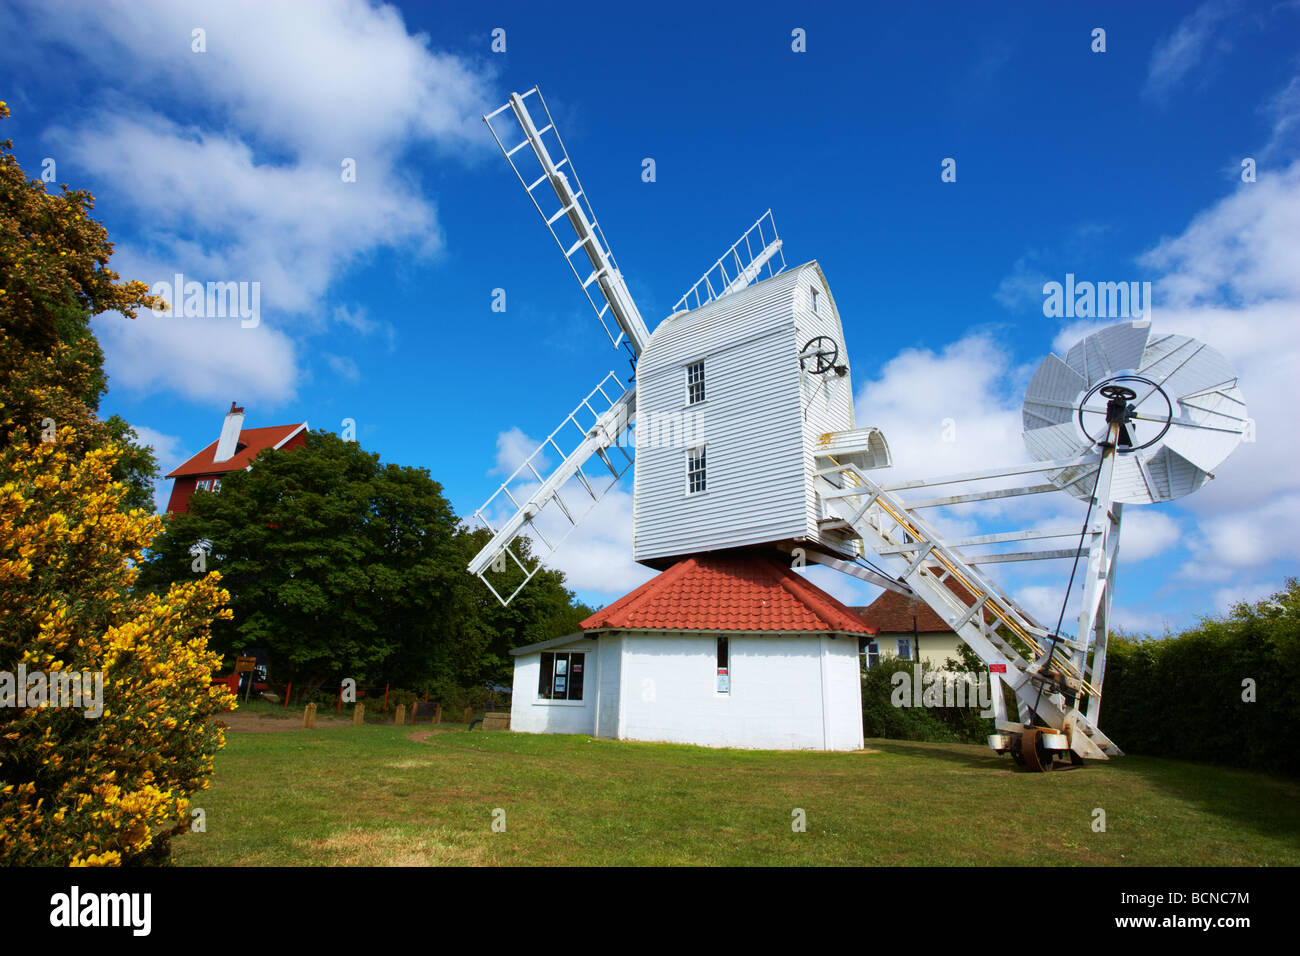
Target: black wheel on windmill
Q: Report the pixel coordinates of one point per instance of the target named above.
(819, 355)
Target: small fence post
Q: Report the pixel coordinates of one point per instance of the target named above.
(399, 715)
(437, 713)
(358, 713)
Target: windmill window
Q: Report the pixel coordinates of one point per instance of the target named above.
(561, 676)
(814, 297)
(696, 481)
(695, 383)
(724, 666)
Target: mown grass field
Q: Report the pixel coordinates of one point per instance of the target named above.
(371, 795)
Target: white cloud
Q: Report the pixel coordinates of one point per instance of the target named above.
(1146, 533)
(200, 359)
(922, 398)
(1187, 50)
(230, 160)
(513, 449)
(343, 367)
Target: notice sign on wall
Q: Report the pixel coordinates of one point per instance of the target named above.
(724, 681)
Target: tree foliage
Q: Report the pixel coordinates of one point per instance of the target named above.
(79, 787)
(343, 566)
(108, 789)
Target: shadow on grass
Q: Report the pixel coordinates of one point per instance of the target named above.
(970, 755)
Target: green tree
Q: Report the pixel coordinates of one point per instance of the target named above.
(339, 566)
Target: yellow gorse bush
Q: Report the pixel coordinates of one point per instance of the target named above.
(78, 790)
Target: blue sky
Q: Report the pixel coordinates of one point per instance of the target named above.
(376, 295)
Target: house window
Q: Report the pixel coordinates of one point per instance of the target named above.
(904, 649)
(561, 677)
(209, 484)
(695, 383)
(695, 468)
(724, 666)
(814, 294)
(873, 653)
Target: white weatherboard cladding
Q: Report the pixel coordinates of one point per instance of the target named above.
(759, 441)
(534, 716)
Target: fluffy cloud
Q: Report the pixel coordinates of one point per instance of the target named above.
(230, 160)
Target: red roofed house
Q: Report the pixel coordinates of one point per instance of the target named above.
(909, 629)
(235, 449)
(722, 649)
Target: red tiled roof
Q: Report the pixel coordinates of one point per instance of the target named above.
(891, 613)
(251, 441)
(728, 591)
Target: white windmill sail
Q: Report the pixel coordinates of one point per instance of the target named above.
(533, 500)
(568, 215)
(602, 427)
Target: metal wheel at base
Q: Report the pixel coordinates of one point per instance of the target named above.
(1037, 758)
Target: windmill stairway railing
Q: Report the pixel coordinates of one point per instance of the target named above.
(1015, 647)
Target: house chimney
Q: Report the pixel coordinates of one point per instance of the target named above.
(230, 429)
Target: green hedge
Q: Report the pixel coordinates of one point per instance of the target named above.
(880, 718)
(1182, 697)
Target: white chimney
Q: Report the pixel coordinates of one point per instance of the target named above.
(230, 429)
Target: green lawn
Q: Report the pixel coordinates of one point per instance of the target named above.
(369, 795)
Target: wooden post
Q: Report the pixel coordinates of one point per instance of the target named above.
(309, 717)
(437, 713)
(399, 716)
(469, 714)
(386, 686)
(358, 713)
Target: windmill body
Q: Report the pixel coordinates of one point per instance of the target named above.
(729, 419)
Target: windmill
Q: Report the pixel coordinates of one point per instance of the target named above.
(740, 431)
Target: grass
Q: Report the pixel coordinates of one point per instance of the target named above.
(371, 795)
